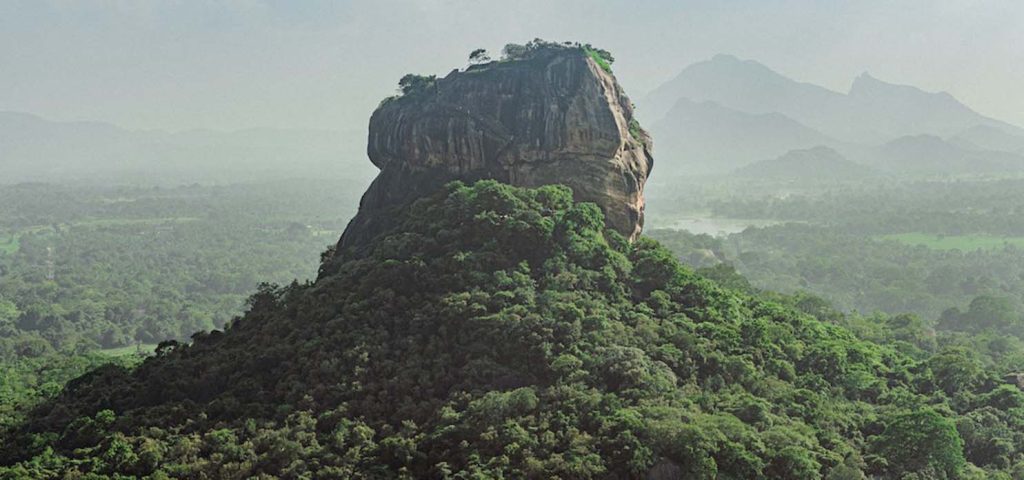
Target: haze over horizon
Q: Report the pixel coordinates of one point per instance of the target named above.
(234, 65)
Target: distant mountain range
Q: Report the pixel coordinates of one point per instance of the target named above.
(930, 154)
(36, 149)
(989, 138)
(725, 112)
(715, 117)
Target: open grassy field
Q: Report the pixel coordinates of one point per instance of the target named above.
(964, 243)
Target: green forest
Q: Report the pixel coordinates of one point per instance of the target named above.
(897, 246)
(616, 360)
(96, 274)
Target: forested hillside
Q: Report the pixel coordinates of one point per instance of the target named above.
(497, 331)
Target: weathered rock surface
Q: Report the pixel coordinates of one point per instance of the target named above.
(1015, 379)
(557, 117)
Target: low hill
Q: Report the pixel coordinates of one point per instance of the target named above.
(931, 155)
(818, 163)
(990, 138)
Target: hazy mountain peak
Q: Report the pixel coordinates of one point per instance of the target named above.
(744, 85)
(725, 58)
(823, 150)
(874, 111)
(728, 60)
(866, 85)
(818, 162)
(864, 80)
(931, 154)
(727, 64)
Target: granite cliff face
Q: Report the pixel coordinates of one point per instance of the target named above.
(556, 117)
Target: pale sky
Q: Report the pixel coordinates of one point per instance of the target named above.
(233, 64)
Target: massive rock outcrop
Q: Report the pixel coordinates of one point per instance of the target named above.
(555, 116)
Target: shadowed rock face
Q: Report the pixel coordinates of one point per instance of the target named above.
(554, 118)
(1016, 379)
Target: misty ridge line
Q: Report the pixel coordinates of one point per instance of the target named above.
(649, 101)
(720, 115)
(753, 78)
(696, 118)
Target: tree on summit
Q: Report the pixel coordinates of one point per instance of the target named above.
(479, 56)
(411, 83)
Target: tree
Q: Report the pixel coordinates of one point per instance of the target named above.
(8, 316)
(984, 313)
(909, 328)
(987, 312)
(479, 56)
(514, 51)
(955, 369)
(600, 52)
(850, 469)
(988, 441)
(918, 442)
(411, 83)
